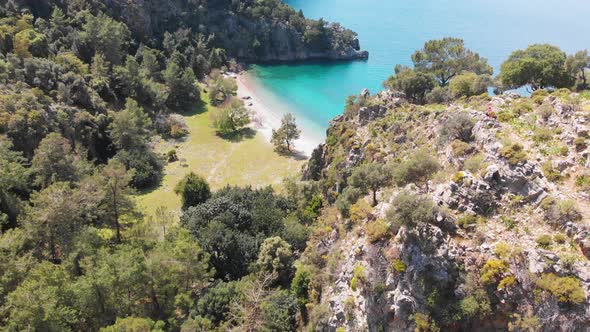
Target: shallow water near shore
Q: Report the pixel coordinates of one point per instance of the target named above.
(392, 29)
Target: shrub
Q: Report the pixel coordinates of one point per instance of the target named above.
(565, 289)
(526, 323)
(493, 270)
(399, 265)
(177, 131)
(193, 189)
(411, 210)
(503, 250)
(583, 182)
(568, 210)
(458, 126)
(171, 156)
(506, 115)
(278, 312)
(547, 203)
(543, 134)
(550, 172)
(559, 238)
(580, 143)
(377, 230)
(467, 221)
(545, 111)
(349, 196)
(475, 163)
(358, 277)
(517, 200)
(559, 213)
(514, 153)
(461, 148)
(276, 259)
(231, 118)
(360, 211)
(469, 84)
(522, 106)
(477, 303)
(424, 323)
(469, 306)
(544, 241)
(540, 94)
(458, 177)
(439, 95)
(568, 261)
(509, 222)
(416, 169)
(349, 307)
(300, 286)
(172, 126)
(506, 282)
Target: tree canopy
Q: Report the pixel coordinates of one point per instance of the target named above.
(447, 58)
(443, 69)
(371, 177)
(539, 66)
(286, 134)
(193, 190)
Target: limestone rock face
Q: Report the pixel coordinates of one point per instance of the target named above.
(371, 113)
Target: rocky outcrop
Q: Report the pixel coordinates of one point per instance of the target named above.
(430, 269)
(315, 164)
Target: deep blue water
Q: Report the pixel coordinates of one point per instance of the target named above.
(392, 29)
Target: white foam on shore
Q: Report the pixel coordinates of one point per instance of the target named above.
(267, 115)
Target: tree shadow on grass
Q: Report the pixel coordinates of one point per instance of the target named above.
(152, 187)
(238, 135)
(199, 108)
(297, 155)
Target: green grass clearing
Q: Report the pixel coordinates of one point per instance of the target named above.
(250, 161)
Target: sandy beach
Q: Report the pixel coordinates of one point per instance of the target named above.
(267, 117)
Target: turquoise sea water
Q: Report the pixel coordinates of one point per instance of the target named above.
(392, 29)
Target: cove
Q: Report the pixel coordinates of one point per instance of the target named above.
(392, 29)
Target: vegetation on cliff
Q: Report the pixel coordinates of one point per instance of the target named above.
(484, 222)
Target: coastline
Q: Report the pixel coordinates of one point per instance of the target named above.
(266, 116)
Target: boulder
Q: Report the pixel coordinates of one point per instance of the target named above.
(371, 113)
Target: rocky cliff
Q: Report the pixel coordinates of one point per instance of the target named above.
(280, 41)
(247, 30)
(503, 244)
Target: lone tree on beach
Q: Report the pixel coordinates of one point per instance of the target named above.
(283, 137)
